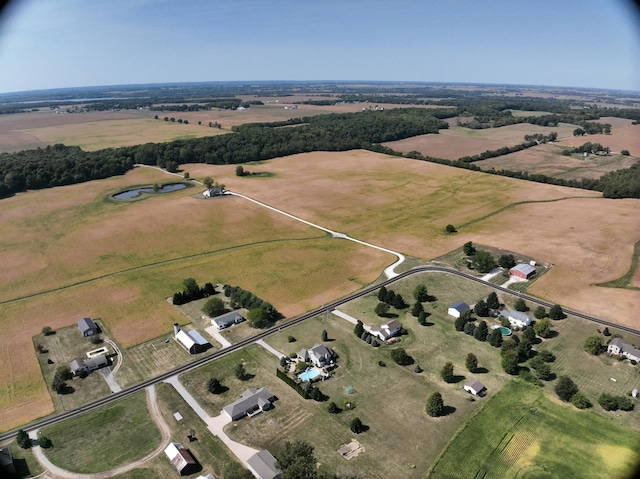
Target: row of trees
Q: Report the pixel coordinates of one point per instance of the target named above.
(261, 313)
(192, 291)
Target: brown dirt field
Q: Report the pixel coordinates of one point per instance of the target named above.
(457, 142)
(404, 205)
(548, 160)
(624, 136)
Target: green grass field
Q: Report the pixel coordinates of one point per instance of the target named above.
(112, 436)
(520, 433)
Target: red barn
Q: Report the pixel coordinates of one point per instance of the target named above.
(524, 271)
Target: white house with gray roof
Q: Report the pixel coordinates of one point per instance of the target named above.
(252, 402)
(516, 318)
(618, 347)
(263, 465)
(320, 355)
(386, 330)
(227, 319)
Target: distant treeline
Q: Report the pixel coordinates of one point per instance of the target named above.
(61, 165)
(224, 103)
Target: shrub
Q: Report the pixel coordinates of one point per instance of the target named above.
(566, 388)
(356, 425)
(447, 372)
(214, 386)
(333, 408)
(45, 442)
(580, 401)
(450, 229)
(291, 339)
(401, 357)
(625, 152)
(382, 364)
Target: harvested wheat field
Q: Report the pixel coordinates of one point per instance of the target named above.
(624, 136)
(547, 159)
(456, 141)
(404, 205)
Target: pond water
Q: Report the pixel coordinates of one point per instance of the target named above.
(127, 195)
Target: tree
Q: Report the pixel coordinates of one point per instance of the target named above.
(356, 425)
(422, 318)
(58, 384)
(492, 301)
(447, 373)
(529, 333)
(214, 386)
(390, 297)
(214, 307)
(460, 323)
(520, 305)
(44, 442)
(23, 439)
(240, 372)
(579, 132)
(523, 350)
(382, 294)
(471, 362)
(47, 331)
(450, 229)
(609, 402)
(468, 249)
(359, 329)
(543, 328)
(208, 181)
(625, 152)
(565, 388)
(257, 318)
(481, 308)
(594, 345)
(297, 461)
(495, 338)
(483, 261)
(469, 328)
(382, 309)
(420, 293)
(546, 356)
(481, 332)
(543, 370)
(333, 408)
(240, 171)
(191, 288)
(506, 261)
(509, 362)
(417, 309)
(606, 332)
(398, 302)
(540, 313)
(155, 117)
(401, 357)
(435, 405)
(580, 401)
(556, 312)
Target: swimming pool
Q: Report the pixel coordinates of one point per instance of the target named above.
(309, 374)
(505, 331)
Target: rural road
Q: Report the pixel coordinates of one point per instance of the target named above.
(57, 472)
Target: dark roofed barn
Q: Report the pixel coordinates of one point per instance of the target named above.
(87, 327)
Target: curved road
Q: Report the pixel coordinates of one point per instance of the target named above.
(263, 334)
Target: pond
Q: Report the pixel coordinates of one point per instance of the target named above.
(127, 195)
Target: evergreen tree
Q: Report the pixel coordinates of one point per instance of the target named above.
(447, 373)
(382, 294)
(469, 329)
(481, 332)
(23, 439)
(359, 329)
(417, 309)
(481, 309)
(420, 293)
(435, 405)
(471, 362)
(495, 338)
(492, 301)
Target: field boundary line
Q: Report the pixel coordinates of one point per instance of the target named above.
(624, 281)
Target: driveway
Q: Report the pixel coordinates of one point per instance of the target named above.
(215, 333)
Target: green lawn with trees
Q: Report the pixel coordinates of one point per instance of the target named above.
(521, 433)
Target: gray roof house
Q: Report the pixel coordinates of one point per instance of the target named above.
(227, 319)
(252, 401)
(87, 327)
(618, 346)
(386, 330)
(86, 365)
(456, 309)
(475, 387)
(263, 465)
(320, 355)
(516, 318)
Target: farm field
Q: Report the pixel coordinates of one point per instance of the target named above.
(457, 141)
(404, 205)
(113, 436)
(96, 246)
(521, 433)
(547, 159)
(624, 136)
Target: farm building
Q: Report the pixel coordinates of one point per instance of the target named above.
(7, 468)
(227, 319)
(522, 270)
(213, 191)
(320, 355)
(475, 387)
(192, 341)
(181, 459)
(516, 318)
(87, 327)
(78, 366)
(386, 330)
(263, 465)
(252, 402)
(618, 347)
(457, 309)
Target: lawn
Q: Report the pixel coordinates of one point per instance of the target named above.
(98, 441)
(521, 433)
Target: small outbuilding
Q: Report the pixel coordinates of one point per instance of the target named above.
(522, 270)
(227, 319)
(263, 465)
(87, 327)
(475, 387)
(192, 341)
(457, 309)
(181, 459)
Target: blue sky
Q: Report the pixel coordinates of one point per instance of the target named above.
(67, 43)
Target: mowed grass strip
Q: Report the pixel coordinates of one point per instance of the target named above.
(520, 433)
(104, 439)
